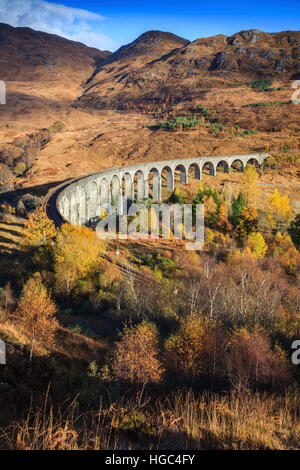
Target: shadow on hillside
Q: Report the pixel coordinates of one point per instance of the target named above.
(32, 101)
(10, 231)
(7, 240)
(38, 190)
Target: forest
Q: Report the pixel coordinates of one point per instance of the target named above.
(184, 350)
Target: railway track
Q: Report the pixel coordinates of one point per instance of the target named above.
(128, 271)
(50, 204)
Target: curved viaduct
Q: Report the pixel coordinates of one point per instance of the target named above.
(79, 202)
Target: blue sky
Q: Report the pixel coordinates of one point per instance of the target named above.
(109, 24)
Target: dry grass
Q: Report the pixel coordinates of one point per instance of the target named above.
(225, 422)
(64, 429)
(258, 421)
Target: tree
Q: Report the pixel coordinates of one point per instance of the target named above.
(198, 347)
(294, 231)
(7, 298)
(211, 199)
(248, 221)
(210, 211)
(285, 251)
(280, 212)
(257, 245)
(135, 357)
(251, 361)
(249, 186)
(223, 223)
(36, 312)
(39, 230)
(76, 252)
(237, 206)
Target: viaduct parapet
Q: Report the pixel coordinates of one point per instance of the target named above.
(79, 202)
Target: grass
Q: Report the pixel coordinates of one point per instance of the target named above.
(181, 420)
(266, 104)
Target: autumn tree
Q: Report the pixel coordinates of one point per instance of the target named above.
(198, 347)
(223, 223)
(285, 251)
(36, 312)
(76, 252)
(135, 357)
(249, 186)
(39, 230)
(210, 210)
(7, 298)
(280, 212)
(248, 221)
(251, 361)
(210, 198)
(257, 244)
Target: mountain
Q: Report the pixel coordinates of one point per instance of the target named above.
(33, 55)
(154, 43)
(43, 73)
(109, 105)
(158, 65)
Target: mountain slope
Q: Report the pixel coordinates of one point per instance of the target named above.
(148, 71)
(44, 74)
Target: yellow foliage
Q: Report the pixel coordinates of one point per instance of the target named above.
(39, 230)
(197, 347)
(36, 313)
(237, 256)
(286, 252)
(282, 243)
(136, 355)
(280, 212)
(77, 250)
(209, 236)
(257, 245)
(249, 186)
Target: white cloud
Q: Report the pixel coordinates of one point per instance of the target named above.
(72, 23)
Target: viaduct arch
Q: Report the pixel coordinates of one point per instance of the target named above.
(79, 202)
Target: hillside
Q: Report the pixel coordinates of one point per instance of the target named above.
(111, 104)
(44, 74)
(157, 65)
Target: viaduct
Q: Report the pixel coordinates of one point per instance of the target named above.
(79, 201)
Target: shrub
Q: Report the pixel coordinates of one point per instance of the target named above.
(135, 357)
(263, 84)
(57, 126)
(266, 104)
(20, 169)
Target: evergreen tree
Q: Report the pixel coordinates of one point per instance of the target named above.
(237, 206)
(294, 231)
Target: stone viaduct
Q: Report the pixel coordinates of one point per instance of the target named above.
(79, 202)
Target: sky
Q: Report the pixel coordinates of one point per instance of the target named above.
(108, 24)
